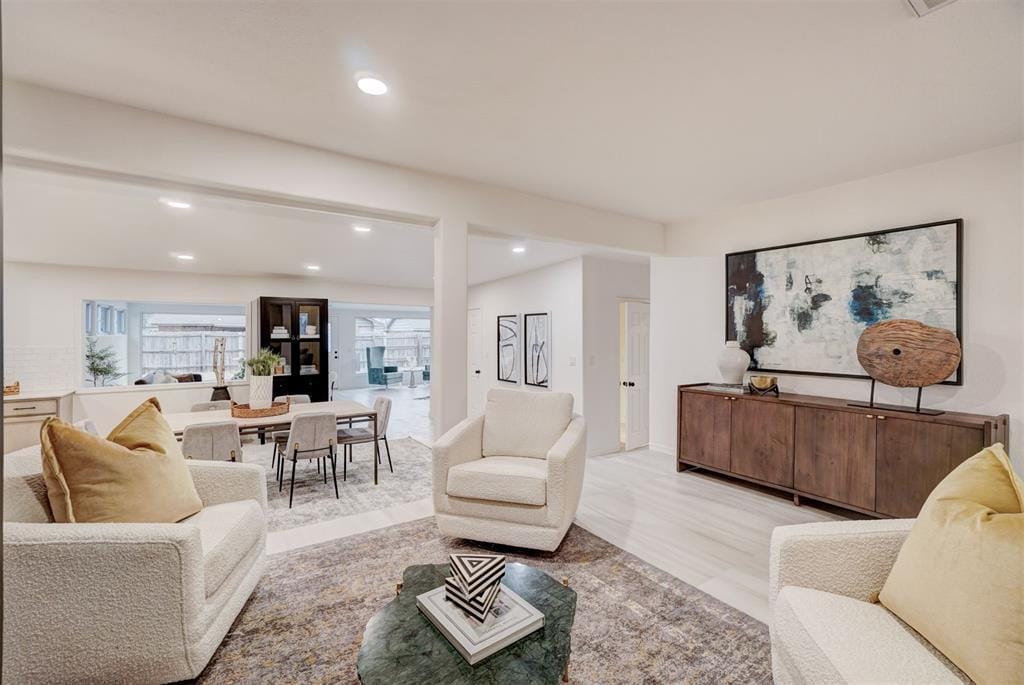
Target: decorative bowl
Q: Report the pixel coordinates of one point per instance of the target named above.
(763, 382)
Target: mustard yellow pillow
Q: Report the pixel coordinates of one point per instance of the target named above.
(959, 578)
(136, 475)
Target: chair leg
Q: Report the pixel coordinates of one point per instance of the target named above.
(318, 467)
(349, 447)
(334, 472)
(344, 465)
(291, 491)
(324, 460)
(388, 448)
(280, 473)
(378, 455)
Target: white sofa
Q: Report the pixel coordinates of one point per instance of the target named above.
(512, 476)
(120, 602)
(826, 623)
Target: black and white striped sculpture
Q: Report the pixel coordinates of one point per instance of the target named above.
(475, 582)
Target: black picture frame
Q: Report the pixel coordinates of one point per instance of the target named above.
(498, 348)
(545, 353)
(958, 232)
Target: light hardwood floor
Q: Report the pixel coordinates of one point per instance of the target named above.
(708, 532)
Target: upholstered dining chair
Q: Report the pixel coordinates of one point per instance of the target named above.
(280, 438)
(347, 437)
(218, 441)
(215, 405)
(312, 438)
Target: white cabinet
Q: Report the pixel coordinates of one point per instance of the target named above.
(24, 415)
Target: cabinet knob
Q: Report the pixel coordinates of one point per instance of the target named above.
(881, 418)
(870, 416)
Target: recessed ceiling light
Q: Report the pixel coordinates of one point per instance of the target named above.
(362, 229)
(175, 203)
(313, 267)
(371, 85)
(519, 249)
(185, 257)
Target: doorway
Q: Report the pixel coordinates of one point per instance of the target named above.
(634, 374)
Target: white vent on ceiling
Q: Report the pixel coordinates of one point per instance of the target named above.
(923, 7)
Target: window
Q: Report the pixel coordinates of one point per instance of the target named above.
(406, 341)
(140, 343)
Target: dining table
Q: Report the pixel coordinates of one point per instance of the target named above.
(346, 411)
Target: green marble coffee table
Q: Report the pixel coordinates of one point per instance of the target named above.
(401, 646)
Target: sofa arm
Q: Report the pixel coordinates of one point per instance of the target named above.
(219, 482)
(95, 601)
(566, 464)
(462, 443)
(851, 558)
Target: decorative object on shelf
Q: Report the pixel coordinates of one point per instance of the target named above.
(279, 333)
(537, 350)
(261, 379)
(732, 363)
(475, 582)
(310, 331)
(801, 308)
(763, 385)
(907, 354)
(508, 348)
(247, 411)
(12, 388)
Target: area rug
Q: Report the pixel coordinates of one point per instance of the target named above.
(315, 501)
(634, 623)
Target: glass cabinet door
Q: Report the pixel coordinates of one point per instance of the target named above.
(309, 322)
(279, 320)
(309, 358)
(284, 349)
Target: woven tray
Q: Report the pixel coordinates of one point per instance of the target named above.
(244, 411)
(13, 388)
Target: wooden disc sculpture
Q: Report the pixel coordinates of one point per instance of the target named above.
(908, 354)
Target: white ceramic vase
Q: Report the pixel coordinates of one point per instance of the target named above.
(261, 391)
(733, 363)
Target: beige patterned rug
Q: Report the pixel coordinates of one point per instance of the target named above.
(315, 501)
(634, 623)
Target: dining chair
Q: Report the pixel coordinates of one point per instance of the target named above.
(215, 405)
(281, 437)
(212, 441)
(347, 437)
(332, 379)
(312, 438)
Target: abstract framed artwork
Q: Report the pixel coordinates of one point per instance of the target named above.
(537, 349)
(801, 308)
(508, 348)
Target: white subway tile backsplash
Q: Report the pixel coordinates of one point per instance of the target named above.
(42, 368)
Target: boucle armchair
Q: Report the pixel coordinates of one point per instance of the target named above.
(126, 602)
(826, 623)
(512, 476)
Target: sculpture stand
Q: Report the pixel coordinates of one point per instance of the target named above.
(220, 392)
(870, 404)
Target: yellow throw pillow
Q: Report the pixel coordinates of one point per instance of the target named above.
(959, 578)
(136, 475)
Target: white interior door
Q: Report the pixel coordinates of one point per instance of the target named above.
(637, 381)
(476, 381)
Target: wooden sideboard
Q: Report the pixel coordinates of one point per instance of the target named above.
(875, 461)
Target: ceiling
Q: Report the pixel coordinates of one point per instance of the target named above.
(658, 110)
(53, 218)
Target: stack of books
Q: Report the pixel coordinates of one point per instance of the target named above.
(478, 614)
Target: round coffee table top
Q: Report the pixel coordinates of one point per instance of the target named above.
(400, 645)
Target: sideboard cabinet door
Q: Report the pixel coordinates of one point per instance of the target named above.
(762, 441)
(913, 456)
(704, 429)
(835, 455)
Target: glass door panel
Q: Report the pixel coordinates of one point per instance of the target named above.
(279, 321)
(309, 321)
(309, 358)
(283, 348)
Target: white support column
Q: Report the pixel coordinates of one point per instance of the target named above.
(449, 335)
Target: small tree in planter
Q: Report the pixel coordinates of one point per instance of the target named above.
(261, 377)
(100, 363)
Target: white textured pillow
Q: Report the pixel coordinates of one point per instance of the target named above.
(520, 423)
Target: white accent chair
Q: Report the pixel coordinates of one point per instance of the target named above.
(514, 475)
(126, 602)
(826, 623)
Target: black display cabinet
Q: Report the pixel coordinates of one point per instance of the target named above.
(297, 330)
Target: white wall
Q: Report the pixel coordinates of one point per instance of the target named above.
(985, 188)
(606, 283)
(557, 289)
(43, 319)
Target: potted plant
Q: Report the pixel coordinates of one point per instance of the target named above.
(261, 377)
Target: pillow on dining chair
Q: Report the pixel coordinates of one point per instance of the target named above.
(137, 474)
